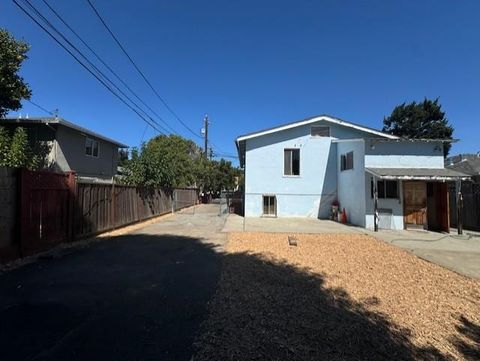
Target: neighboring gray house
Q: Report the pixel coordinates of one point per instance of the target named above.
(465, 163)
(70, 147)
(300, 169)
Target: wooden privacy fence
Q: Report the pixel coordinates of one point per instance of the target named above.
(471, 205)
(46, 209)
(53, 208)
(102, 207)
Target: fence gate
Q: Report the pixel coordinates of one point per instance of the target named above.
(46, 209)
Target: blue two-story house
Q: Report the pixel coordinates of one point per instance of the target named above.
(300, 169)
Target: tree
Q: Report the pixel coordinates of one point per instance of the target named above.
(420, 120)
(173, 162)
(12, 86)
(20, 154)
(5, 141)
(165, 161)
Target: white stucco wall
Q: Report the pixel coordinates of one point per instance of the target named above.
(396, 205)
(403, 154)
(351, 182)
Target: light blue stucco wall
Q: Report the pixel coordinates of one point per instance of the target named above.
(321, 181)
(310, 194)
(395, 221)
(351, 182)
(403, 154)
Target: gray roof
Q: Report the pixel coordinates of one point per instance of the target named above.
(469, 166)
(60, 121)
(441, 174)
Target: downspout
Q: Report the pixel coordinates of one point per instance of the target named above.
(375, 205)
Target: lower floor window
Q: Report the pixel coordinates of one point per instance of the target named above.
(386, 188)
(269, 205)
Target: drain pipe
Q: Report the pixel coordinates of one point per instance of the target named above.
(375, 205)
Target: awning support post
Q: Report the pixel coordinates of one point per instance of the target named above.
(375, 205)
(459, 208)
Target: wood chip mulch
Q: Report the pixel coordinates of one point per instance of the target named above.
(337, 297)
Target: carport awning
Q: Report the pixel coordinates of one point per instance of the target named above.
(431, 174)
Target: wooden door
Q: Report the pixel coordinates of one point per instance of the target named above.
(415, 204)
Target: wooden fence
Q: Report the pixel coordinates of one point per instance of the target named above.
(471, 206)
(53, 208)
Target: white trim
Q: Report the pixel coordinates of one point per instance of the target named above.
(313, 120)
(348, 140)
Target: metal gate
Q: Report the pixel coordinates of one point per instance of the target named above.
(46, 209)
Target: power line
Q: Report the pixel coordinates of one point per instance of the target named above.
(89, 62)
(80, 62)
(105, 64)
(139, 70)
(40, 107)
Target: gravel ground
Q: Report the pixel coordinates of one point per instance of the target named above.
(337, 297)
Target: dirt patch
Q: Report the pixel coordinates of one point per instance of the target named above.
(337, 297)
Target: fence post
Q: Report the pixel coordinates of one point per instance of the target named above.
(72, 192)
(113, 205)
(460, 209)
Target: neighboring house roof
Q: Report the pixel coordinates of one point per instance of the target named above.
(314, 119)
(470, 165)
(417, 173)
(60, 121)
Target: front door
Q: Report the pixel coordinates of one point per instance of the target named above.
(415, 204)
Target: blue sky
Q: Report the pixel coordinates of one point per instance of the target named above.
(257, 64)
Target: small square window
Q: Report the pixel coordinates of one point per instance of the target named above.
(320, 131)
(269, 206)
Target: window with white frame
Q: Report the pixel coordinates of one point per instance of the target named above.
(91, 147)
(269, 205)
(346, 161)
(291, 162)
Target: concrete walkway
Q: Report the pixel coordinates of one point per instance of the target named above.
(236, 223)
(138, 296)
(457, 253)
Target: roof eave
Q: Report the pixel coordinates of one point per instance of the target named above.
(313, 120)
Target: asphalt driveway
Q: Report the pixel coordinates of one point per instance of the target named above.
(139, 296)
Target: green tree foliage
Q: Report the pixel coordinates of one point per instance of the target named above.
(12, 86)
(420, 120)
(172, 162)
(5, 141)
(16, 151)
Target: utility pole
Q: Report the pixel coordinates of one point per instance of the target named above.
(206, 136)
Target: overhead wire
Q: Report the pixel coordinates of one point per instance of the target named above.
(91, 64)
(106, 65)
(100, 74)
(40, 107)
(102, 81)
(117, 41)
